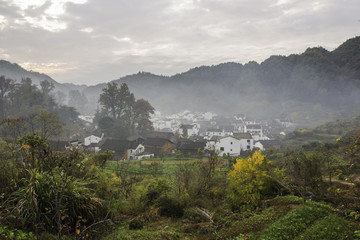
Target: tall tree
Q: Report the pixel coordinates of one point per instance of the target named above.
(5, 87)
(129, 113)
(109, 99)
(46, 86)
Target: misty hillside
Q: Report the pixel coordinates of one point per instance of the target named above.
(16, 72)
(314, 86)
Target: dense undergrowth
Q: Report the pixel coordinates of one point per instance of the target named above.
(271, 195)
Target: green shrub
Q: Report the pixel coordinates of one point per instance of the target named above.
(285, 200)
(330, 227)
(136, 224)
(6, 233)
(35, 204)
(170, 207)
(294, 222)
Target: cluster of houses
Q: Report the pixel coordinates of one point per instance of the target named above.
(206, 133)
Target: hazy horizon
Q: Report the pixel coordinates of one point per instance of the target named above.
(91, 42)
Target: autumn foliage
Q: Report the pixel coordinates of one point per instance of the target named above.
(249, 181)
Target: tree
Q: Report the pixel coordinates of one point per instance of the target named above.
(25, 95)
(109, 99)
(249, 181)
(5, 87)
(46, 87)
(128, 114)
(142, 110)
(49, 124)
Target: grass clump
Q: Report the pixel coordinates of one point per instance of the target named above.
(124, 234)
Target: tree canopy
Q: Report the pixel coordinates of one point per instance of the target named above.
(122, 113)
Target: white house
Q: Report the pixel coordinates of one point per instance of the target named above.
(92, 139)
(228, 145)
(210, 132)
(255, 130)
(246, 141)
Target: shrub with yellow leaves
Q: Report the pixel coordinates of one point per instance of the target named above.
(249, 181)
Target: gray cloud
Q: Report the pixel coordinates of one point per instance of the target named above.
(107, 39)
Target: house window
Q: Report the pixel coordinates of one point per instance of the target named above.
(248, 141)
(230, 150)
(221, 148)
(248, 147)
(230, 142)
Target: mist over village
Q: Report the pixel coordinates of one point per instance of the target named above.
(193, 119)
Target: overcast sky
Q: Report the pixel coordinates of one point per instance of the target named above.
(93, 41)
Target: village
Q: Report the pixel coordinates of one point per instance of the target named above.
(188, 134)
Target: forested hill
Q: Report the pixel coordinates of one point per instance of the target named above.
(16, 72)
(314, 86)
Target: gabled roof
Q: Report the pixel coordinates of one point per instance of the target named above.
(228, 137)
(135, 138)
(166, 130)
(215, 138)
(117, 145)
(165, 135)
(242, 136)
(191, 145)
(159, 142)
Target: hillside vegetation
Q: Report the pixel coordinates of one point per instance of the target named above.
(308, 88)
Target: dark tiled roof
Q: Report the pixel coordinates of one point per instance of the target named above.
(156, 142)
(242, 135)
(191, 146)
(215, 138)
(166, 130)
(117, 145)
(165, 135)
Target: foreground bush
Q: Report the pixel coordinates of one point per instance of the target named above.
(294, 222)
(330, 227)
(249, 182)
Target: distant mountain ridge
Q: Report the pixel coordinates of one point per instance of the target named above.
(16, 72)
(313, 86)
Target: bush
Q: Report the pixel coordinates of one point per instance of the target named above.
(170, 207)
(330, 227)
(250, 182)
(6, 233)
(294, 222)
(136, 224)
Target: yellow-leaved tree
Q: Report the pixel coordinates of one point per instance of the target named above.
(249, 182)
